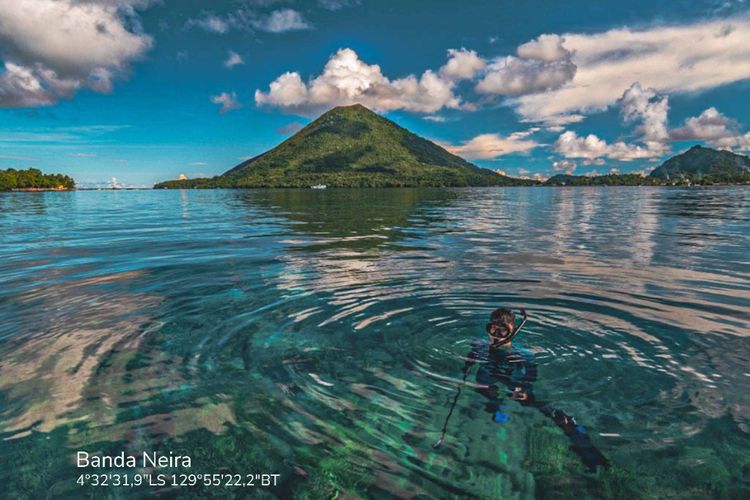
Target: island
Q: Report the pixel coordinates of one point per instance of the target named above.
(696, 166)
(352, 146)
(33, 179)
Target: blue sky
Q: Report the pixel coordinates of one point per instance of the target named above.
(144, 90)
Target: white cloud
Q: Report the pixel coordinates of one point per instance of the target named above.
(228, 101)
(337, 4)
(211, 23)
(709, 125)
(280, 21)
(512, 76)
(542, 64)
(566, 166)
(548, 47)
(435, 118)
(346, 79)
(738, 142)
(669, 59)
(591, 147)
(489, 146)
(644, 105)
(462, 65)
(20, 88)
(715, 128)
(233, 59)
(66, 45)
(637, 105)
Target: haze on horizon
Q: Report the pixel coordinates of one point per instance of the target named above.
(144, 90)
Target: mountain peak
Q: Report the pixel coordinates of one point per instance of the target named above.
(352, 146)
(699, 162)
(355, 106)
(349, 111)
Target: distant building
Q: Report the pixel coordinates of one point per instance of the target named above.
(182, 177)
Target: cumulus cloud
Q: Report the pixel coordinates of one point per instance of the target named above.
(233, 59)
(668, 59)
(280, 21)
(566, 166)
(710, 125)
(228, 101)
(462, 64)
(638, 105)
(20, 88)
(489, 146)
(542, 64)
(591, 147)
(646, 106)
(547, 47)
(66, 45)
(346, 79)
(714, 128)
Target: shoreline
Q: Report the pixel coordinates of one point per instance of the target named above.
(455, 187)
(46, 190)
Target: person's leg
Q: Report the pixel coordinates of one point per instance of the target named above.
(580, 441)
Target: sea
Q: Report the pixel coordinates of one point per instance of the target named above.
(314, 343)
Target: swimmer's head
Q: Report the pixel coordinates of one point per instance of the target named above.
(502, 325)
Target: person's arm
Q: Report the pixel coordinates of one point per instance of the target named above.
(471, 358)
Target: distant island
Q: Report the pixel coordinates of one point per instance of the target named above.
(697, 165)
(352, 146)
(33, 179)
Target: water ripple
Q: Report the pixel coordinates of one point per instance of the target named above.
(333, 326)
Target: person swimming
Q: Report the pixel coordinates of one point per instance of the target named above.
(516, 369)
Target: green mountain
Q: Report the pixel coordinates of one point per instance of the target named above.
(700, 163)
(351, 146)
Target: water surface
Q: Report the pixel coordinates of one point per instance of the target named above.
(321, 335)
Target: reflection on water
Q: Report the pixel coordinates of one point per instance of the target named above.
(321, 335)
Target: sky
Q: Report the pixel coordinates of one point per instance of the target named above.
(146, 90)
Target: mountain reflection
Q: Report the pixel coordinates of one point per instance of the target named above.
(353, 219)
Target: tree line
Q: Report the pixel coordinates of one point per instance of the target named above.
(33, 178)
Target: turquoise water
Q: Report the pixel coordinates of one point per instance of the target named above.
(321, 335)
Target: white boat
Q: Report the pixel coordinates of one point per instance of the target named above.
(319, 186)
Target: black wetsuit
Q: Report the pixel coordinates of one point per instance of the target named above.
(516, 370)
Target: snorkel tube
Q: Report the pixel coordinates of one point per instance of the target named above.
(520, 327)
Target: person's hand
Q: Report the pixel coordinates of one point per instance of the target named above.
(519, 395)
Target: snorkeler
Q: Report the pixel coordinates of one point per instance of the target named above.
(516, 369)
